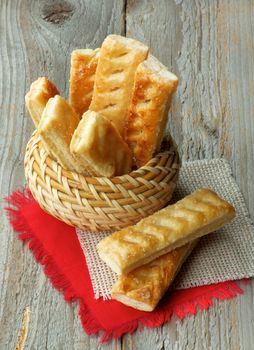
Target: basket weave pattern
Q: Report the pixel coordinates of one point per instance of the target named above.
(100, 203)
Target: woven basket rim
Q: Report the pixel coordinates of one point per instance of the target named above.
(152, 163)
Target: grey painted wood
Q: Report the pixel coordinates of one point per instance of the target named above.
(209, 45)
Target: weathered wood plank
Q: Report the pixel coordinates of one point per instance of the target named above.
(36, 39)
(208, 44)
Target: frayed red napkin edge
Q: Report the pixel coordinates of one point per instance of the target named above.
(223, 291)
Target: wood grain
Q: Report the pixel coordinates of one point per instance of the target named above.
(37, 38)
(209, 45)
(211, 117)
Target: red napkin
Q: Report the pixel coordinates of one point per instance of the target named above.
(55, 245)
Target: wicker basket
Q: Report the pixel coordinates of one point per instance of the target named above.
(99, 203)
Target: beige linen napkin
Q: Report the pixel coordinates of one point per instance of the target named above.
(222, 256)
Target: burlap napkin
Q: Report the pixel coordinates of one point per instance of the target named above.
(222, 256)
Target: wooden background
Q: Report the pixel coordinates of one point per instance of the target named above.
(209, 45)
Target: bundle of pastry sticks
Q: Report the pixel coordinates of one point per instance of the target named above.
(115, 119)
(118, 105)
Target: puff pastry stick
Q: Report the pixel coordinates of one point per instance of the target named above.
(56, 128)
(118, 61)
(41, 90)
(153, 88)
(99, 147)
(83, 68)
(194, 216)
(143, 287)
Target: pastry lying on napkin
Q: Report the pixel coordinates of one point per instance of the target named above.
(143, 287)
(194, 216)
(150, 254)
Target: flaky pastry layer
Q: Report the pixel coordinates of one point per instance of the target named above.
(99, 147)
(41, 90)
(56, 128)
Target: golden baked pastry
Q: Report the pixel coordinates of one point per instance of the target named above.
(41, 90)
(56, 128)
(194, 216)
(99, 147)
(143, 287)
(153, 88)
(118, 61)
(83, 68)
